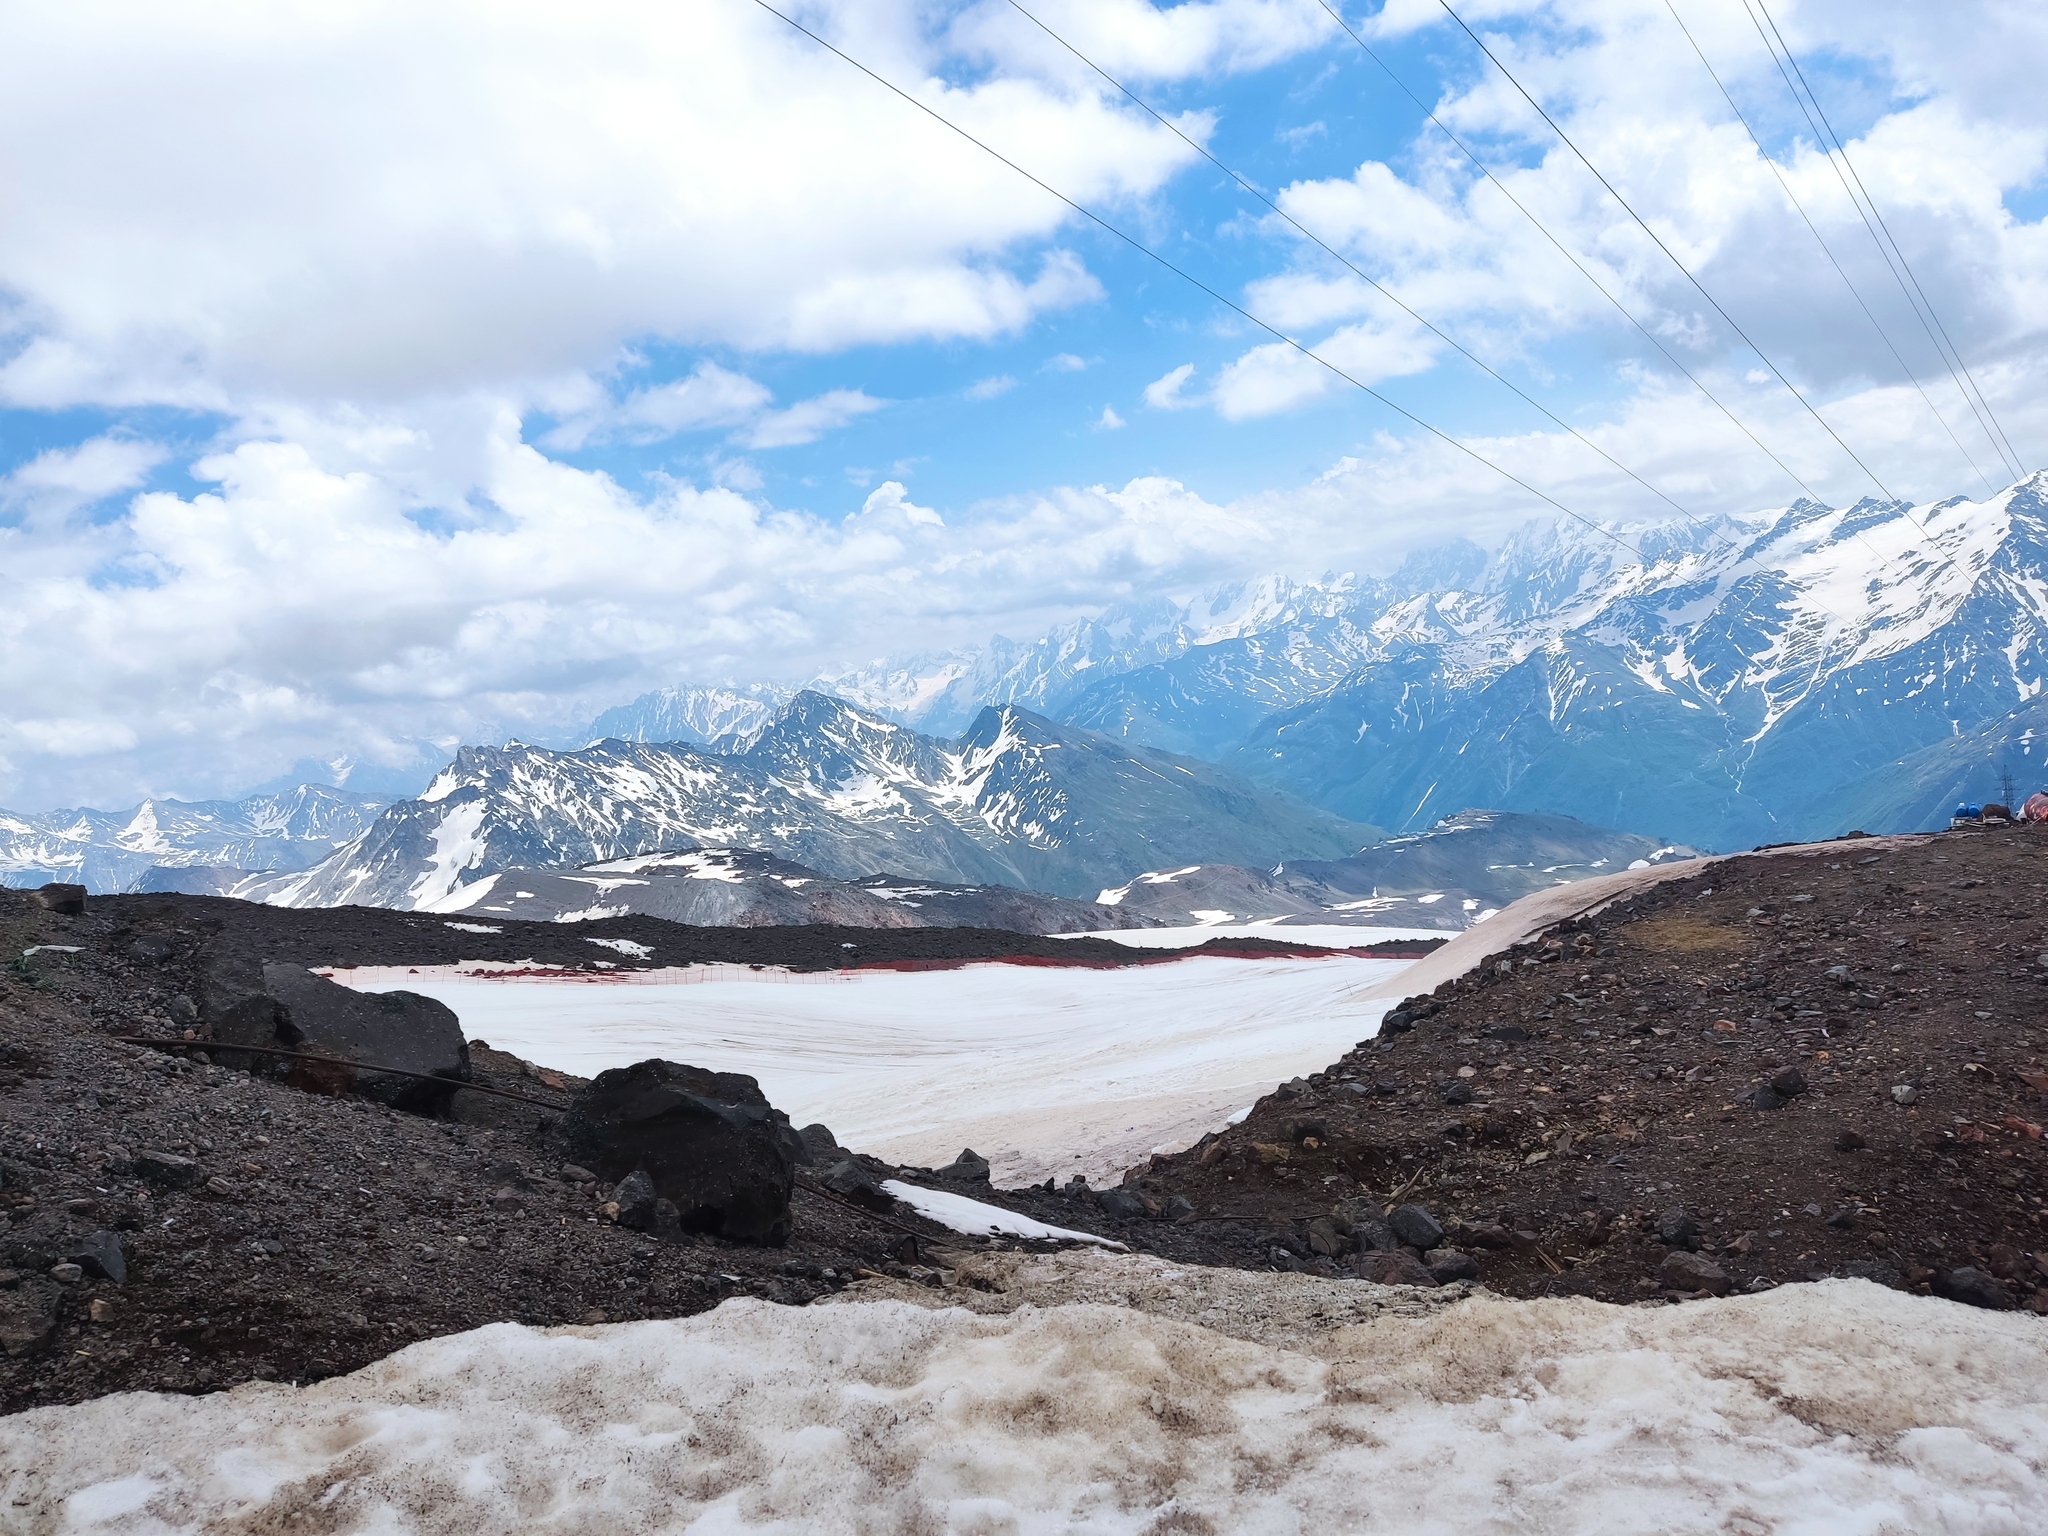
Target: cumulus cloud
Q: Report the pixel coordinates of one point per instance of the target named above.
(530, 191)
(988, 389)
(1108, 421)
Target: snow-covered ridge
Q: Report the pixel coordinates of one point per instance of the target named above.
(113, 851)
(1015, 801)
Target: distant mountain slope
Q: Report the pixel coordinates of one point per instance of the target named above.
(1699, 697)
(1017, 800)
(739, 888)
(110, 851)
(1458, 872)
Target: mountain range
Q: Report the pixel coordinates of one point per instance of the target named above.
(1016, 800)
(112, 851)
(741, 888)
(1459, 872)
(1786, 674)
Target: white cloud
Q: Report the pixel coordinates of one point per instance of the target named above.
(217, 211)
(1065, 362)
(710, 396)
(1108, 421)
(890, 499)
(1164, 394)
(61, 481)
(1277, 377)
(988, 389)
(809, 420)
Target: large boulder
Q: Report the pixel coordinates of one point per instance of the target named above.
(710, 1142)
(290, 1007)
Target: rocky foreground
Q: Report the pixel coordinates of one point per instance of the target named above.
(1774, 1070)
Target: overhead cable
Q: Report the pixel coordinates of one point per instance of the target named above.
(1658, 240)
(1856, 293)
(1565, 251)
(1189, 278)
(1251, 190)
(1980, 406)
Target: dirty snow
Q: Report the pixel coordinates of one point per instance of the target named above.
(1042, 1070)
(1180, 1400)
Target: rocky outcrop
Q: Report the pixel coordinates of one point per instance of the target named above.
(290, 1007)
(709, 1142)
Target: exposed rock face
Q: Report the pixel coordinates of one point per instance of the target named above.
(709, 1141)
(290, 1007)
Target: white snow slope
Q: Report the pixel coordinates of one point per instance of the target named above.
(1042, 1070)
(1838, 1408)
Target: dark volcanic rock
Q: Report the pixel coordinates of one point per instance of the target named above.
(390, 1029)
(709, 1141)
(1682, 1271)
(850, 1181)
(1121, 1203)
(1395, 1268)
(100, 1256)
(1448, 1264)
(1416, 1227)
(968, 1168)
(636, 1199)
(1973, 1287)
(821, 1146)
(30, 1310)
(69, 900)
(167, 1170)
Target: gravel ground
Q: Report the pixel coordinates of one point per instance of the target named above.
(1585, 1104)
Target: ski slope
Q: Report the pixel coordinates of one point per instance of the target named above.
(1043, 1070)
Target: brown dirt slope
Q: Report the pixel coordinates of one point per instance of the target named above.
(1566, 1109)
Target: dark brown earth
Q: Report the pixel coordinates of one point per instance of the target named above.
(320, 1233)
(1648, 1028)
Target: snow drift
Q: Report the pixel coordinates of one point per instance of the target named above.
(1837, 1407)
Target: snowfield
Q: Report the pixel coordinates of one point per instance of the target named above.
(1282, 1404)
(1043, 1070)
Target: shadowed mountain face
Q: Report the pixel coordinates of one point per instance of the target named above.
(1460, 871)
(1017, 801)
(739, 888)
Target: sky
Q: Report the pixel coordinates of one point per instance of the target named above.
(387, 376)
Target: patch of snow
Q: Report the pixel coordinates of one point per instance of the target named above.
(979, 1219)
(456, 848)
(624, 947)
(1029, 1065)
(472, 927)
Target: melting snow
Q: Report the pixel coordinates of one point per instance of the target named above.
(1029, 1065)
(623, 947)
(471, 928)
(979, 1219)
(1234, 1402)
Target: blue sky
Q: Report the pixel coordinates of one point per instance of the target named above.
(434, 372)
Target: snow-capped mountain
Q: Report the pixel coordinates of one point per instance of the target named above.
(1016, 800)
(1812, 672)
(111, 851)
(740, 888)
(1461, 871)
(1785, 674)
(713, 717)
